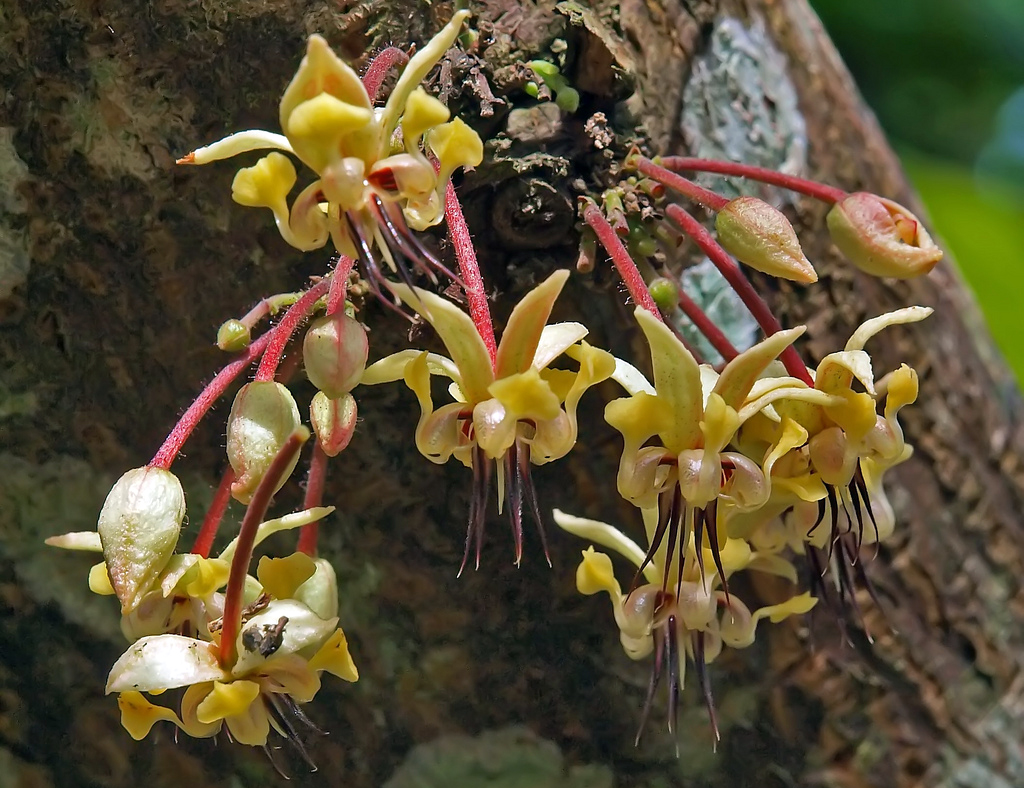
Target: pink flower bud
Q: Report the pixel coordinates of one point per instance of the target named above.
(334, 421)
(263, 416)
(138, 528)
(881, 237)
(334, 352)
(761, 237)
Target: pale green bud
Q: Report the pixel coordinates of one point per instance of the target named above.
(334, 421)
(138, 528)
(263, 416)
(334, 352)
(761, 237)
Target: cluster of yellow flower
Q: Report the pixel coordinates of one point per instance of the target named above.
(733, 469)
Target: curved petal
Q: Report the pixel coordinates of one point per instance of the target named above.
(334, 657)
(281, 577)
(521, 338)
(303, 629)
(631, 378)
(392, 368)
(460, 337)
(77, 540)
(836, 372)
(284, 523)
(742, 372)
(606, 536)
(161, 662)
(321, 71)
(414, 72)
(555, 340)
(239, 142)
(677, 381)
(138, 715)
(910, 314)
(227, 700)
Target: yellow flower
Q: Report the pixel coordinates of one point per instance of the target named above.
(366, 196)
(680, 481)
(677, 615)
(510, 414)
(282, 651)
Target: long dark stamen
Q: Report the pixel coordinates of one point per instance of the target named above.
(411, 246)
(673, 536)
(660, 649)
(704, 683)
(711, 520)
(674, 678)
(514, 485)
(664, 516)
(477, 506)
(526, 480)
(280, 708)
(366, 251)
(371, 272)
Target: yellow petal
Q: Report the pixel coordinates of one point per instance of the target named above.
(291, 675)
(190, 701)
(522, 333)
(251, 726)
(138, 715)
(742, 372)
(796, 606)
(677, 381)
(719, 424)
(902, 390)
(316, 128)
(265, 184)
(459, 335)
(206, 576)
(854, 412)
(526, 396)
(910, 314)
(638, 417)
(99, 580)
(422, 112)
(281, 576)
(227, 700)
(414, 72)
(594, 574)
(335, 658)
(322, 72)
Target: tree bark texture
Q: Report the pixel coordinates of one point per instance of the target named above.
(116, 268)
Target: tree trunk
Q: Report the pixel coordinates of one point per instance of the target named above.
(116, 269)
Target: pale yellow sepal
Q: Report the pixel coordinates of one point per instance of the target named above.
(522, 334)
(334, 657)
(422, 112)
(138, 715)
(798, 605)
(226, 699)
(594, 574)
(280, 577)
(99, 580)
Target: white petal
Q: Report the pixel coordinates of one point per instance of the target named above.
(631, 378)
(303, 629)
(555, 340)
(604, 535)
(77, 540)
(160, 662)
(239, 142)
(910, 314)
(288, 521)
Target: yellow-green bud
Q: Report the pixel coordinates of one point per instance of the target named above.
(881, 237)
(665, 293)
(263, 416)
(761, 237)
(233, 335)
(334, 421)
(138, 528)
(334, 352)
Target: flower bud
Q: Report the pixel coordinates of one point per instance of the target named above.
(760, 236)
(334, 421)
(832, 456)
(665, 293)
(881, 237)
(334, 352)
(263, 416)
(138, 528)
(233, 335)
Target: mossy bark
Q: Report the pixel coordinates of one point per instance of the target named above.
(116, 267)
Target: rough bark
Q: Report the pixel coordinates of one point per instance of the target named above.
(117, 267)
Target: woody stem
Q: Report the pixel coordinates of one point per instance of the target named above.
(631, 276)
(469, 270)
(819, 191)
(730, 270)
(254, 515)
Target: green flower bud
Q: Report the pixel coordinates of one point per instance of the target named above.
(761, 237)
(334, 352)
(665, 293)
(334, 421)
(233, 335)
(263, 416)
(138, 528)
(881, 237)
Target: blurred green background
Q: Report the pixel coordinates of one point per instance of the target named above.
(946, 79)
